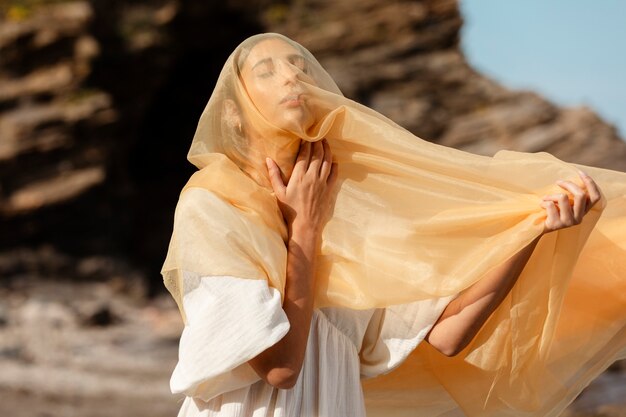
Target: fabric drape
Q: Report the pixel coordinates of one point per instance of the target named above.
(411, 220)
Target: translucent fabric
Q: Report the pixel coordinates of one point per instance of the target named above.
(411, 220)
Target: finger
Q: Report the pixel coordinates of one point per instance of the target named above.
(553, 219)
(327, 162)
(316, 157)
(580, 199)
(565, 209)
(275, 179)
(592, 189)
(302, 160)
(332, 177)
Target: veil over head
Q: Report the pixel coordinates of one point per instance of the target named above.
(411, 220)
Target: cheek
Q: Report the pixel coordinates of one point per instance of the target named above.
(264, 99)
(263, 90)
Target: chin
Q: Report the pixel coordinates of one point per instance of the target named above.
(297, 114)
(296, 124)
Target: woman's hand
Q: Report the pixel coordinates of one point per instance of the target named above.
(304, 202)
(305, 199)
(464, 316)
(560, 213)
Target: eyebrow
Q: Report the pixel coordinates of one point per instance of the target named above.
(264, 60)
(261, 62)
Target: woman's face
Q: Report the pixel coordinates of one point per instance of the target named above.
(270, 74)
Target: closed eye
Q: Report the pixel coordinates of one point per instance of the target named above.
(300, 62)
(264, 69)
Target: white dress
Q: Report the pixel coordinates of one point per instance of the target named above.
(231, 320)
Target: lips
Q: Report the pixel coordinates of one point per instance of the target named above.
(295, 98)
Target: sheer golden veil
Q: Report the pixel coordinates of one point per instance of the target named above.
(411, 220)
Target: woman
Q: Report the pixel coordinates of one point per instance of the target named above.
(297, 276)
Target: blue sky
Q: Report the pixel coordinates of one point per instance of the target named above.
(573, 52)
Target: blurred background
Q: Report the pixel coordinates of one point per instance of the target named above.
(99, 100)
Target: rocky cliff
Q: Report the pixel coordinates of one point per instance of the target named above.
(99, 101)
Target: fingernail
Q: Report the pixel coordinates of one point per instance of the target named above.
(582, 172)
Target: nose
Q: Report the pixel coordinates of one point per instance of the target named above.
(288, 71)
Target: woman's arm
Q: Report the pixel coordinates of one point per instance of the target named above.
(280, 364)
(465, 315)
(304, 202)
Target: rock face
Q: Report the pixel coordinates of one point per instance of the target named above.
(403, 59)
(99, 101)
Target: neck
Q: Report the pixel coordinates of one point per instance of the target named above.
(281, 147)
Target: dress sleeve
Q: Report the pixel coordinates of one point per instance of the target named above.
(230, 320)
(394, 332)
